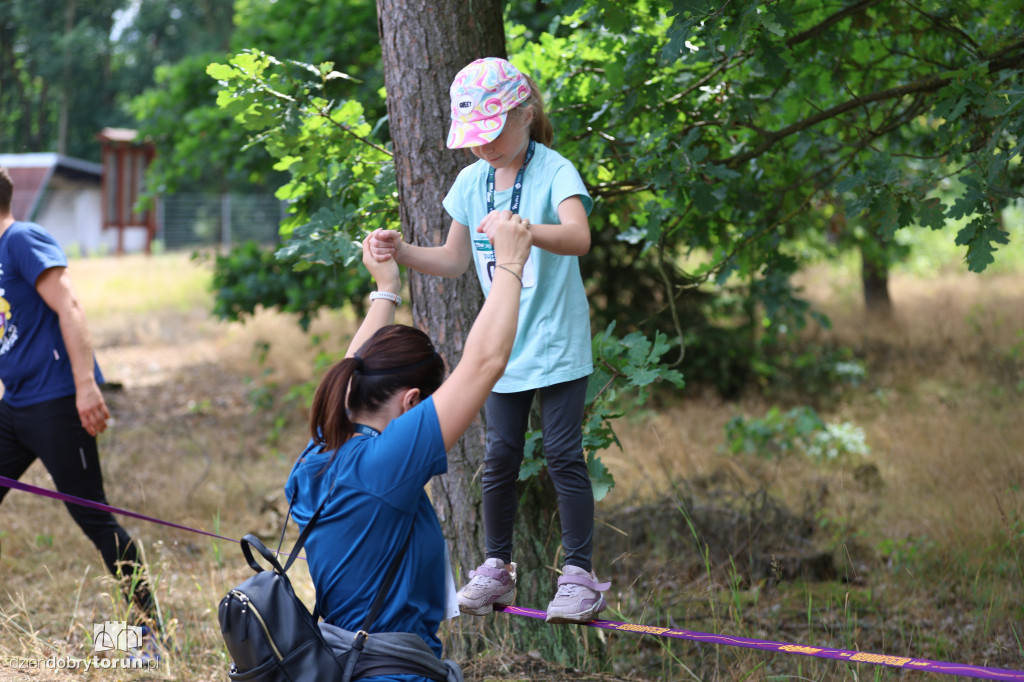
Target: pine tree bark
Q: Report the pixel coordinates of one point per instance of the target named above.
(425, 43)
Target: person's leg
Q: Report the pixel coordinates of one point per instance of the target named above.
(579, 597)
(494, 581)
(507, 418)
(53, 431)
(562, 421)
(15, 458)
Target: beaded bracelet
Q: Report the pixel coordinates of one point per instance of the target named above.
(516, 274)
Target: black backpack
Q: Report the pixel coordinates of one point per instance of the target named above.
(272, 636)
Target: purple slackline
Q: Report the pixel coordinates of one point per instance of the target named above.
(53, 494)
(904, 662)
(81, 501)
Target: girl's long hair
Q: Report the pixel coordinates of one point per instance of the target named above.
(395, 358)
(540, 129)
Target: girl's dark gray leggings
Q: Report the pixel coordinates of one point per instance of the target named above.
(562, 424)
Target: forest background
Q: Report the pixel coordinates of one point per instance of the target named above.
(738, 151)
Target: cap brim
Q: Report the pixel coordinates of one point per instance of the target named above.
(463, 135)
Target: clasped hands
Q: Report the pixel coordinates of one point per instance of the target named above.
(498, 226)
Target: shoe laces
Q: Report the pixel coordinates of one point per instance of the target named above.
(572, 590)
(482, 581)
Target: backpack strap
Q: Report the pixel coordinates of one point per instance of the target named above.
(250, 541)
(360, 639)
(305, 532)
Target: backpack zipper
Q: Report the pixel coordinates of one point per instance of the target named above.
(246, 604)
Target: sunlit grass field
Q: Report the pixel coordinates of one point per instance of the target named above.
(136, 284)
(929, 549)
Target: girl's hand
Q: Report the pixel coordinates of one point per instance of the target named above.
(384, 244)
(489, 224)
(510, 234)
(384, 271)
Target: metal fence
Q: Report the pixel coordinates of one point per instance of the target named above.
(189, 221)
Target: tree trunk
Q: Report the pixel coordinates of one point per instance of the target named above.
(875, 279)
(65, 90)
(424, 44)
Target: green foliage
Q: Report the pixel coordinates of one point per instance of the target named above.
(250, 277)
(57, 56)
(797, 431)
(932, 250)
(749, 139)
(343, 182)
(182, 120)
(626, 370)
(789, 369)
(200, 145)
(776, 434)
(901, 553)
(89, 58)
(727, 144)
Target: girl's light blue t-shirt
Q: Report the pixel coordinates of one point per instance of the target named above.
(553, 337)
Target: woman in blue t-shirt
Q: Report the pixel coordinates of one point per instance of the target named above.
(382, 420)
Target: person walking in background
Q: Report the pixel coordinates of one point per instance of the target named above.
(497, 112)
(52, 408)
(381, 424)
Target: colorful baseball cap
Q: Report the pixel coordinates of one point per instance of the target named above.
(482, 95)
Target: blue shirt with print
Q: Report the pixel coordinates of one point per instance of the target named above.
(34, 363)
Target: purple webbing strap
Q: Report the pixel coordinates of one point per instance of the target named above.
(28, 487)
(906, 663)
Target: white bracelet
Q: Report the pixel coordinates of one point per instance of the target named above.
(394, 298)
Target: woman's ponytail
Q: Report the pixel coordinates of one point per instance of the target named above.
(329, 424)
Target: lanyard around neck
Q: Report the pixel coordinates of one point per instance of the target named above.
(517, 188)
(365, 430)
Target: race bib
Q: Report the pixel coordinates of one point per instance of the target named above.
(486, 265)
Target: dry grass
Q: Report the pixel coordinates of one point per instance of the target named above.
(936, 549)
(946, 424)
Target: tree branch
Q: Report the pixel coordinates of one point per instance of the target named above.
(614, 189)
(945, 25)
(831, 21)
(325, 112)
(929, 84)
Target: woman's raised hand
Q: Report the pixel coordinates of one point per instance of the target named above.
(510, 234)
(384, 271)
(384, 244)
